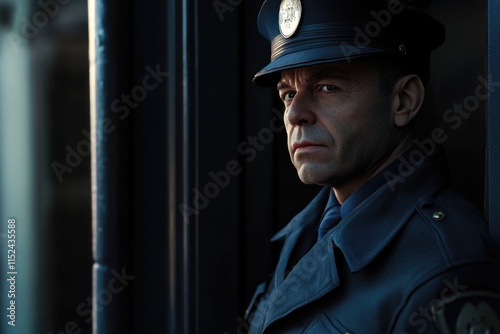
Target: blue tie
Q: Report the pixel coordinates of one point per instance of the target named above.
(331, 217)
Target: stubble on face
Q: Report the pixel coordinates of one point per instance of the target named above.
(338, 122)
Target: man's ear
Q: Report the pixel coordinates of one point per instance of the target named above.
(407, 98)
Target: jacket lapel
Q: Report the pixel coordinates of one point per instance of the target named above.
(313, 276)
(291, 232)
(360, 236)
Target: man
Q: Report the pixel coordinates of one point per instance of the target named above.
(376, 251)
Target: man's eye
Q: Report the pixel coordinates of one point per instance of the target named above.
(288, 96)
(328, 88)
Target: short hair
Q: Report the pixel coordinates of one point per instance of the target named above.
(392, 68)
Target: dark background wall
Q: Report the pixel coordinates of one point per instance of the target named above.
(205, 130)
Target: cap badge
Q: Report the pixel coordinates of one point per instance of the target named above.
(289, 17)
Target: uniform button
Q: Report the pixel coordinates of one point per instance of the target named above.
(402, 49)
(438, 215)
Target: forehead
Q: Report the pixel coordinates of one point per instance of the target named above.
(363, 69)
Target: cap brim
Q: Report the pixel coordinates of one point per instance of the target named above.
(270, 75)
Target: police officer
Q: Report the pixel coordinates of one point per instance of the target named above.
(387, 246)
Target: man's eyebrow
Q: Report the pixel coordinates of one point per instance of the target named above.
(282, 85)
(325, 75)
(314, 77)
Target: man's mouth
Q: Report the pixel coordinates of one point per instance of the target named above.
(305, 146)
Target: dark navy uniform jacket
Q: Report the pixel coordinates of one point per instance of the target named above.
(412, 257)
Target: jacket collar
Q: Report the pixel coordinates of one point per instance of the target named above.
(360, 236)
(370, 227)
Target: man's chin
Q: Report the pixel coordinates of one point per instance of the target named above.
(309, 177)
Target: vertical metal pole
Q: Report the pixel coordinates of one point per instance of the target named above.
(182, 164)
(112, 190)
(494, 119)
(174, 281)
(190, 161)
(143, 166)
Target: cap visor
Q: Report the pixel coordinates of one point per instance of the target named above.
(270, 75)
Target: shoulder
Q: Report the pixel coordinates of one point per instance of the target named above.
(464, 299)
(457, 228)
(460, 294)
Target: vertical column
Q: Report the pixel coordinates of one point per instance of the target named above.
(494, 119)
(112, 156)
(142, 109)
(182, 164)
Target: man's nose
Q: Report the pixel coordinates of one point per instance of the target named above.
(300, 111)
